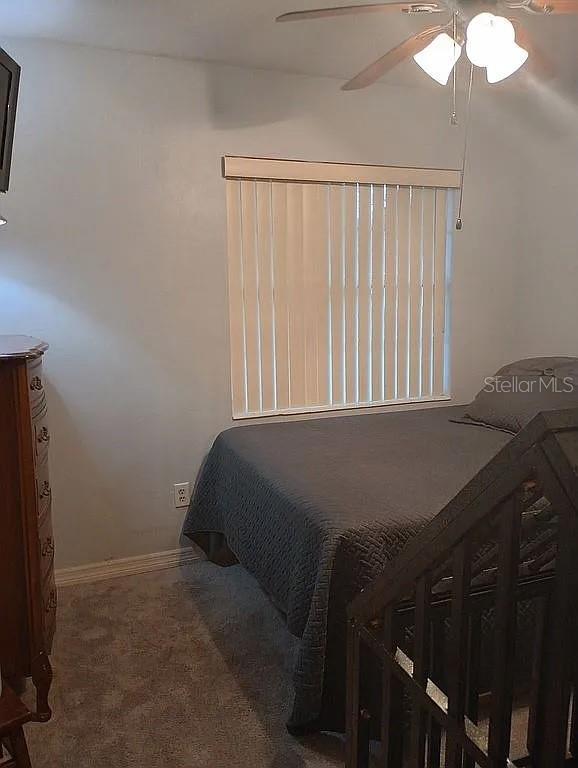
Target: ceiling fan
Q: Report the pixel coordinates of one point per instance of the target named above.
(499, 43)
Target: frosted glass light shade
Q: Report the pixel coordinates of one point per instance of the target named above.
(491, 43)
(439, 57)
(480, 39)
(508, 61)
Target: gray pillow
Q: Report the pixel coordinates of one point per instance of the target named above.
(519, 391)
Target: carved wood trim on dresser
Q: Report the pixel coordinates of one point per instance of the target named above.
(27, 587)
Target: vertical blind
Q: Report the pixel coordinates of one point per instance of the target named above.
(338, 288)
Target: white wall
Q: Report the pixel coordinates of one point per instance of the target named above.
(546, 294)
(115, 254)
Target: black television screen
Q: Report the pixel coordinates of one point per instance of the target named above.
(9, 80)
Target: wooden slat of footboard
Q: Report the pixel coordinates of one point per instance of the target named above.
(420, 668)
(457, 673)
(352, 704)
(391, 707)
(504, 637)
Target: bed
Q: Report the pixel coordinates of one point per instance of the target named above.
(314, 510)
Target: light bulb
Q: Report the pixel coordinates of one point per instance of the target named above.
(439, 57)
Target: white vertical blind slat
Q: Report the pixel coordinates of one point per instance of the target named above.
(251, 297)
(338, 294)
(279, 246)
(295, 292)
(403, 246)
(364, 296)
(323, 300)
(316, 292)
(391, 293)
(378, 294)
(350, 249)
(428, 288)
(236, 303)
(265, 291)
(364, 309)
(309, 299)
(415, 294)
(439, 309)
(337, 251)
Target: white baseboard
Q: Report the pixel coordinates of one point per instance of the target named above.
(127, 566)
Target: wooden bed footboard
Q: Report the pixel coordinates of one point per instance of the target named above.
(506, 541)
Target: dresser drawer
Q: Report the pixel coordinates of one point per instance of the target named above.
(41, 435)
(46, 539)
(38, 408)
(43, 491)
(35, 383)
(50, 604)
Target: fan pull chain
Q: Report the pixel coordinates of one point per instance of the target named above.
(454, 116)
(459, 223)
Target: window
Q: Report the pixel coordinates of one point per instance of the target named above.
(338, 285)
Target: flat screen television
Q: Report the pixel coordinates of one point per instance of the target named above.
(9, 81)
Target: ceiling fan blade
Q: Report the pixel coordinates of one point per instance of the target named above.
(392, 58)
(563, 6)
(539, 63)
(347, 10)
(553, 7)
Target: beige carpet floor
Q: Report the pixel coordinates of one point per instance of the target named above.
(184, 668)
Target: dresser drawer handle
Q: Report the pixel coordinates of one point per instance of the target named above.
(36, 384)
(48, 547)
(43, 436)
(52, 602)
(45, 492)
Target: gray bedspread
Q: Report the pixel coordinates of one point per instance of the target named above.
(315, 509)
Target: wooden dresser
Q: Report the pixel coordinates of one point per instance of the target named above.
(27, 586)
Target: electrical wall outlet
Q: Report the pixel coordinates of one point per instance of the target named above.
(182, 494)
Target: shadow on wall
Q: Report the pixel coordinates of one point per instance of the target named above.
(242, 99)
(314, 118)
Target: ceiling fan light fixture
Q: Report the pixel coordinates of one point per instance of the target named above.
(439, 57)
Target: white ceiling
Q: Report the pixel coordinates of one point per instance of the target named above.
(243, 32)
